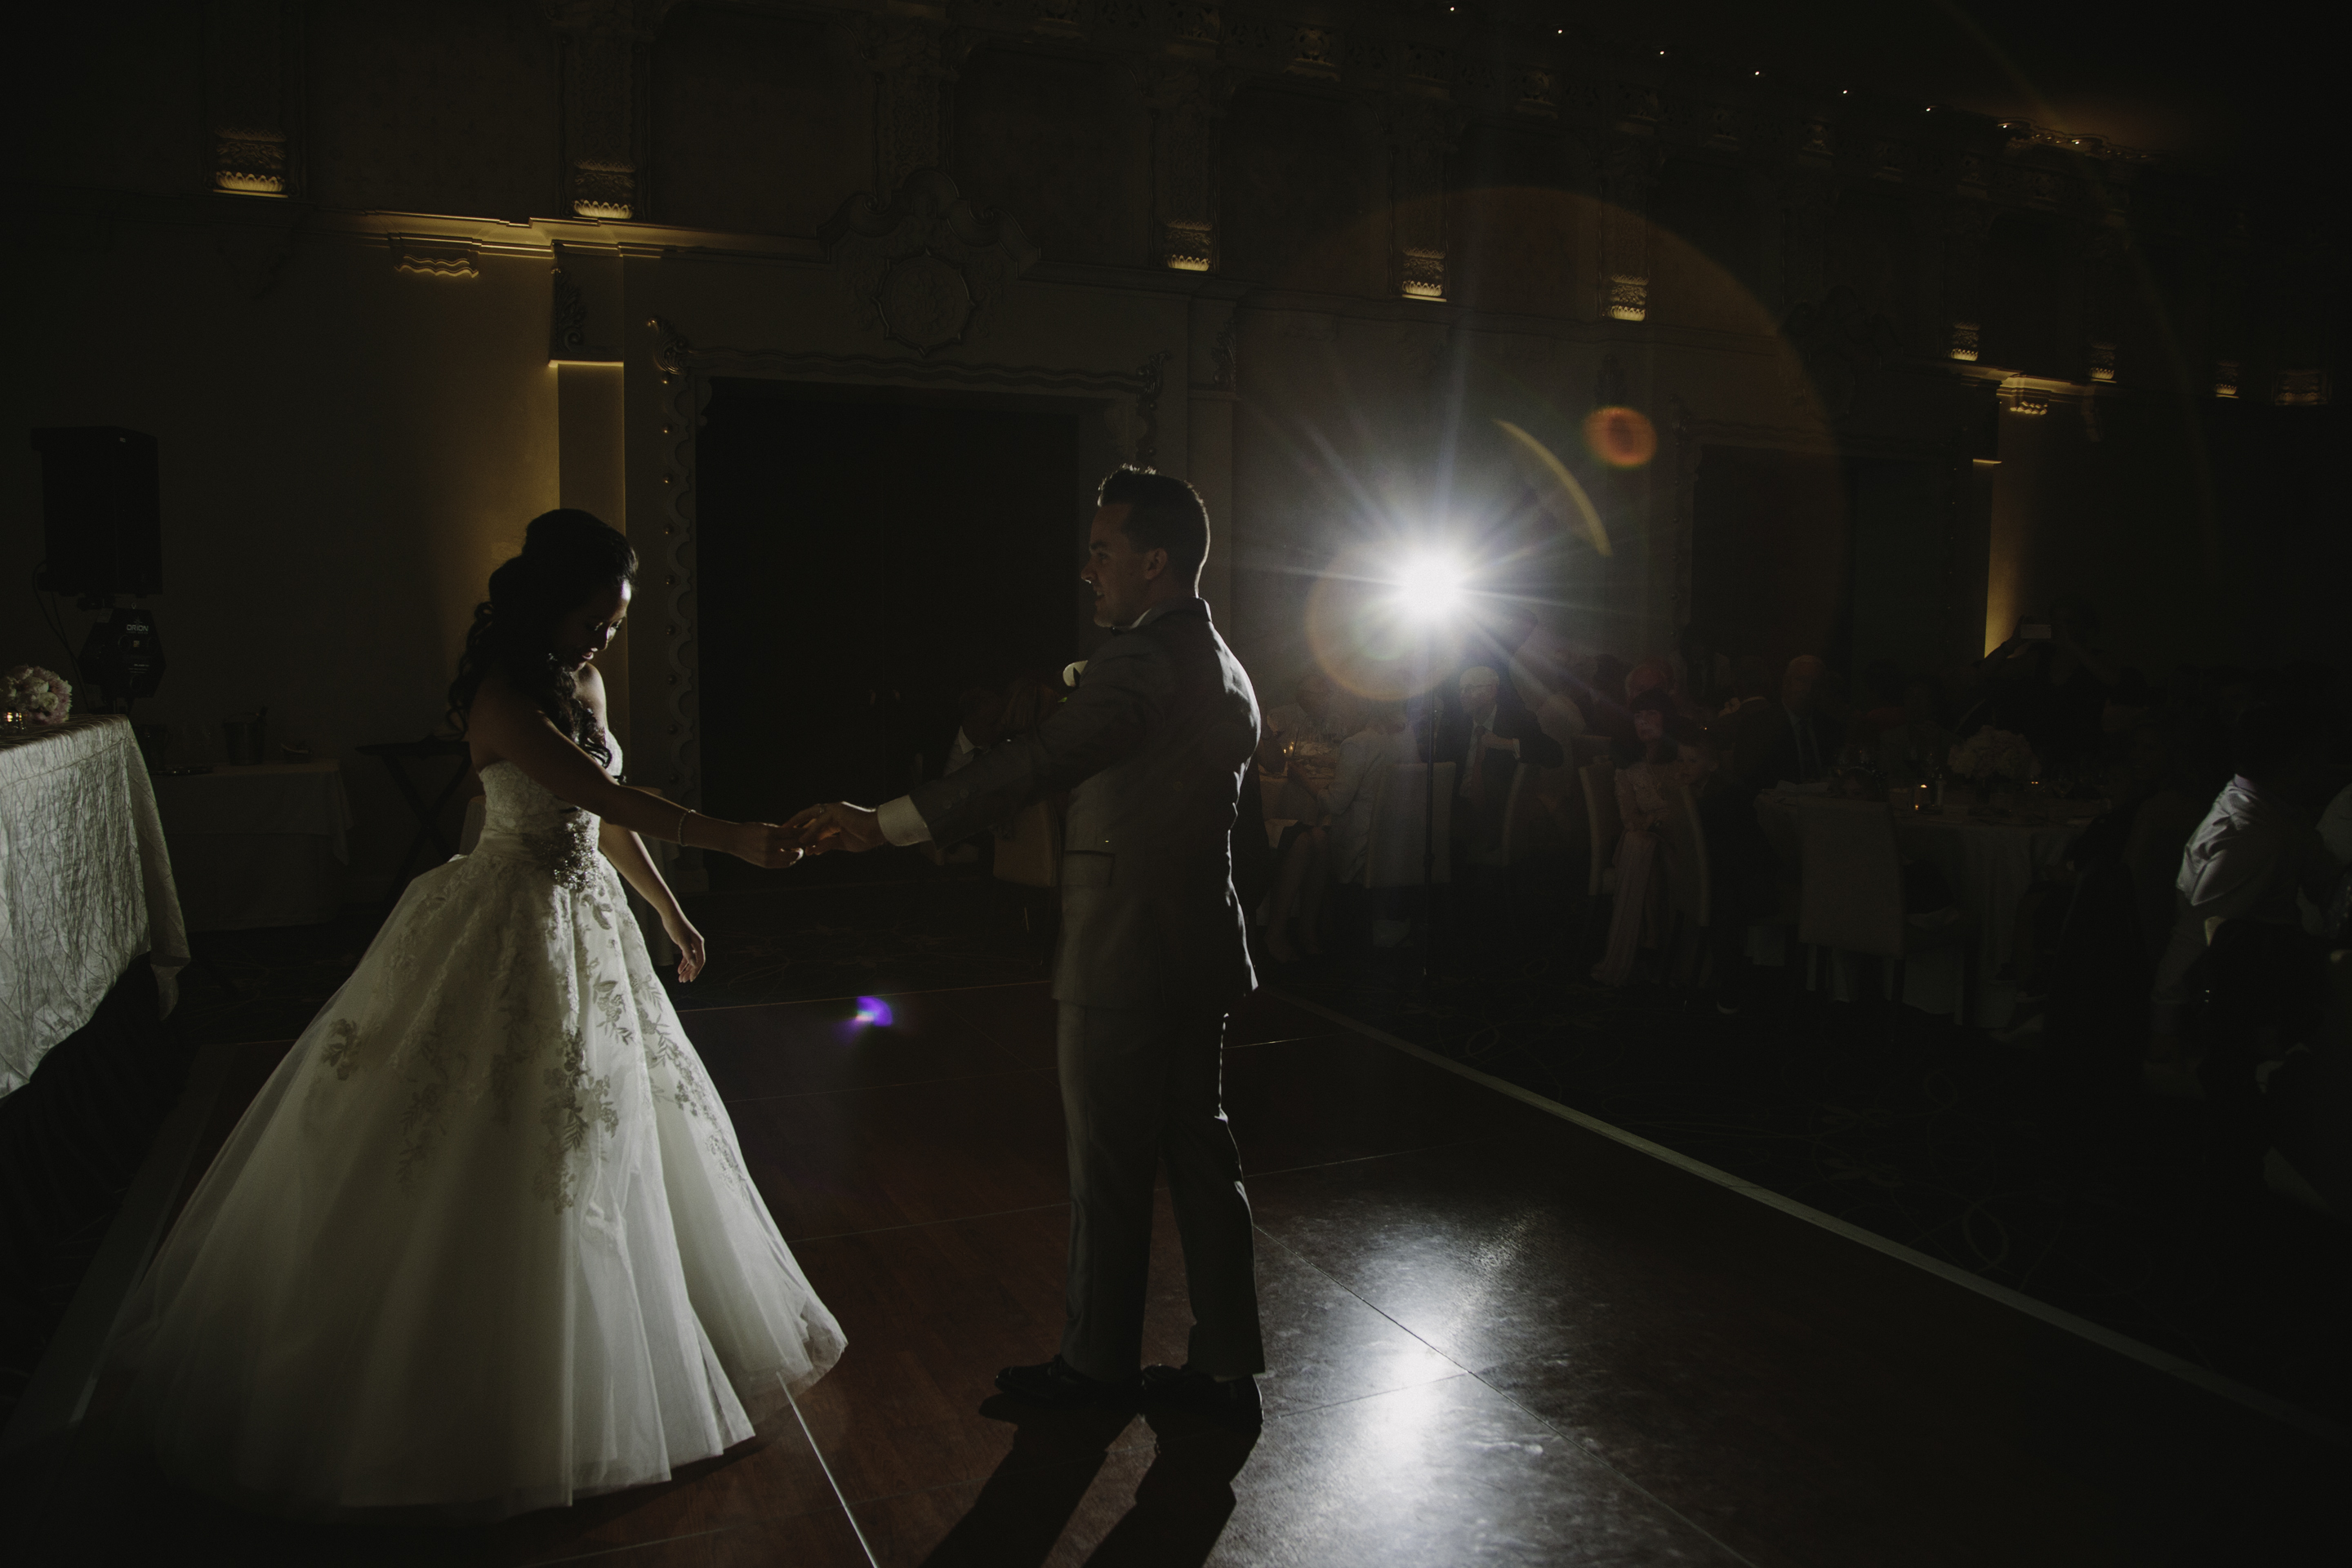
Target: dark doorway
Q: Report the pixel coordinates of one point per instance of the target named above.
(865, 554)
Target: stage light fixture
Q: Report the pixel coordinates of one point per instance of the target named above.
(1428, 588)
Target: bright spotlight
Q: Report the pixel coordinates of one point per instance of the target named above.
(874, 1011)
(1430, 587)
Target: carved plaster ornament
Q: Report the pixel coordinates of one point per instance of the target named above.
(1422, 132)
(2301, 388)
(1629, 166)
(1187, 100)
(926, 264)
(247, 63)
(1967, 336)
(433, 258)
(912, 57)
(606, 104)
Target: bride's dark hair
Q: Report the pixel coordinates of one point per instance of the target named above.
(568, 557)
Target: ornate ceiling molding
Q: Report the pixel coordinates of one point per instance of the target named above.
(929, 268)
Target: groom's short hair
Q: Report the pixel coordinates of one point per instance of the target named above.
(1163, 512)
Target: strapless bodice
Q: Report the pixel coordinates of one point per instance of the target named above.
(524, 820)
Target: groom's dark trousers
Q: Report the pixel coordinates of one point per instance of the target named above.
(1155, 746)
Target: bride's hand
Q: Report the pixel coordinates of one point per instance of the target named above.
(763, 844)
(691, 952)
(839, 825)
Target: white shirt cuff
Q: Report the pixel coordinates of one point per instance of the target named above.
(901, 823)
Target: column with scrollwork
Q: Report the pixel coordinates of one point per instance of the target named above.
(252, 52)
(608, 102)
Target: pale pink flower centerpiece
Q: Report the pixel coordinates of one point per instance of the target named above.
(31, 695)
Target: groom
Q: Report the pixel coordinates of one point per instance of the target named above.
(1156, 742)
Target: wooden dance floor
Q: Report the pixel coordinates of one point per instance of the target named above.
(1495, 1336)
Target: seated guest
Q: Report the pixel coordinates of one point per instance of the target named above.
(1789, 741)
(1315, 716)
(1490, 734)
(1332, 847)
(1604, 708)
(1646, 787)
(1751, 683)
(2256, 849)
(1686, 719)
(1539, 673)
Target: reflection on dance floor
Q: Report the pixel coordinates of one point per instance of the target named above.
(1494, 1335)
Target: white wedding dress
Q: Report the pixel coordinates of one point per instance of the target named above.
(484, 1242)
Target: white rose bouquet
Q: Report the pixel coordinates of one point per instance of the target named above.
(38, 695)
(1995, 754)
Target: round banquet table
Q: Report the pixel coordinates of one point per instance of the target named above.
(1989, 865)
(259, 844)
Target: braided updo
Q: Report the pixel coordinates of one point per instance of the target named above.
(568, 557)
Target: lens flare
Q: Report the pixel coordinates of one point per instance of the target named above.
(1383, 617)
(874, 1011)
(1621, 438)
(1428, 588)
(1555, 484)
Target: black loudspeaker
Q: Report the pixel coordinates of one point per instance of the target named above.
(100, 501)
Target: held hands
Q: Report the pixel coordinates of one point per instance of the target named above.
(838, 825)
(762, 843)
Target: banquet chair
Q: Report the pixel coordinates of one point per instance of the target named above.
(1518, 805)
(1690, 885)
(1852, 897)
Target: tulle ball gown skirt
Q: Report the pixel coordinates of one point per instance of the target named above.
(484, 1243)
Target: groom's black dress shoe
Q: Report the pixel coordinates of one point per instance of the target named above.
(1061, 1386)
(1234, 1401)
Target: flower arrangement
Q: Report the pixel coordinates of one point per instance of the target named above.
(1996, 754)
(36, 696)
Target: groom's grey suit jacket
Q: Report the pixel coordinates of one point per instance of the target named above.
(1157, 742)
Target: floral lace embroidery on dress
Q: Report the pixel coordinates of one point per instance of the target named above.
(575, 1104)
(558, 842)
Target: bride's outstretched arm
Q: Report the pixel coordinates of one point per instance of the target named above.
(627, 853)
(503, 727)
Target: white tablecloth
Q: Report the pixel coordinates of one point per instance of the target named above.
(258, 845)
(85, 883)
(1989, 867)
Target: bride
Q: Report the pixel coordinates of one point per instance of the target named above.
(484, 1242)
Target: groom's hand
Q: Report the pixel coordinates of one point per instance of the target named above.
(839, 825)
